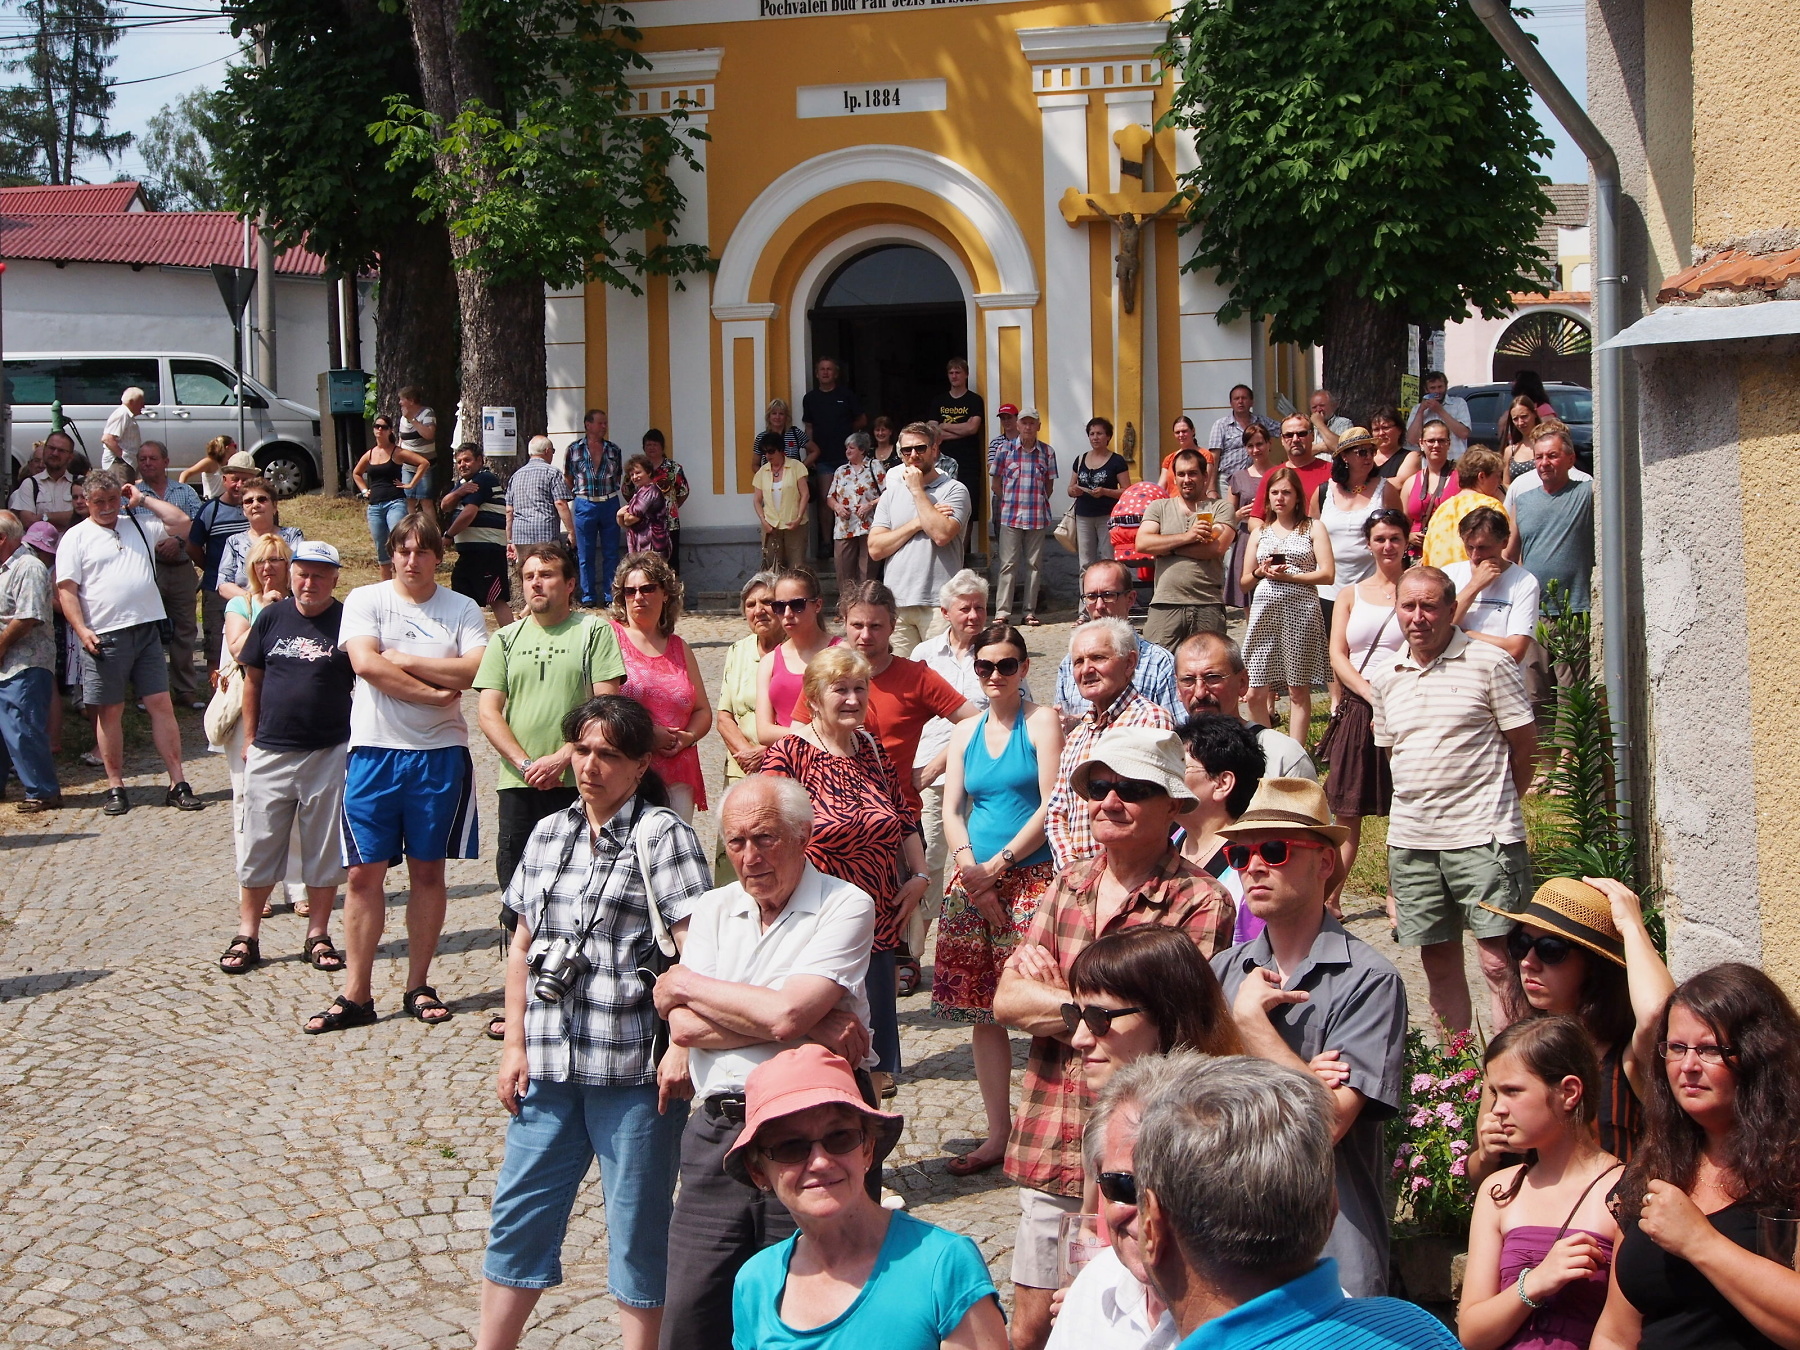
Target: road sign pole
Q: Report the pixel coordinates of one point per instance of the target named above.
(235, 286)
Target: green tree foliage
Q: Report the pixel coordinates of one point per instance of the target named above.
(178, 146)
(1362, 164)
(56, 116)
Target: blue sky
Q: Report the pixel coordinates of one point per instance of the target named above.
(164, 58)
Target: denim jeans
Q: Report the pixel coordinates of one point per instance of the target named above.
(24, 726)
(596, 546)
(383, 517)
(560, 1129)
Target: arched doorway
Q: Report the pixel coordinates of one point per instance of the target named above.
(1557, 345)
(892, 316)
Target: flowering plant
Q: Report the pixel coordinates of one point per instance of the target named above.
(1433, 1134)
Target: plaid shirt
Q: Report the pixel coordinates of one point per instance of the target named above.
(586, 479)
(1067, 822)
(1043, 1152)
(1027, 478)
(601, 1032)
(533, 492)
(1227, 443)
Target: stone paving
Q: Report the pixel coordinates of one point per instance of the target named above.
(185, 1169)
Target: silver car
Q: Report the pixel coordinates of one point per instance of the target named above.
(189, 398)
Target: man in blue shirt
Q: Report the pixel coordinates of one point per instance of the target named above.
(214, 524)
(592, 466)
(1233, 1180)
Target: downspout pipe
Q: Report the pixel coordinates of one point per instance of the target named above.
(1609, 429)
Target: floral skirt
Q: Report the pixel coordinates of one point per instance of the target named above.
(970, 953)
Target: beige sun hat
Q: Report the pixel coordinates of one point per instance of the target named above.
(1294, 804)
(1145, 754)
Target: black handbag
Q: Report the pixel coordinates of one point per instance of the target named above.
(1321, 752)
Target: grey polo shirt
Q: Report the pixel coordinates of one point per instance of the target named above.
(1358, 1008)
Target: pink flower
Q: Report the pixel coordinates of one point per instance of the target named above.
(1418, 1184)
(1472, 1095)
(1459, 1168)
(1420, 1118)
(1422, 1082)
(1447, 1113)
(1458, 1147)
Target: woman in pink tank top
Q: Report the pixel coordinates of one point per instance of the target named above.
(661, 674)
(800, 608)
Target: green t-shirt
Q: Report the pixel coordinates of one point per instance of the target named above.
(544, 672)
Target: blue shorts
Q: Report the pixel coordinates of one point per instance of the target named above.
(413, 803)
(418, 487)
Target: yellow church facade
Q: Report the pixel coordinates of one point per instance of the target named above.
(891, 182)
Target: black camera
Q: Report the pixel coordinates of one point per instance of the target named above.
(558, 968)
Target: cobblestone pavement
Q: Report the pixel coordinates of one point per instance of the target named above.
(185, 1169)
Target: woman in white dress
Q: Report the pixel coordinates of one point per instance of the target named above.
(1287, 556)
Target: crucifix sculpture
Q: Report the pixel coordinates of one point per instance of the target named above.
(1128, 211)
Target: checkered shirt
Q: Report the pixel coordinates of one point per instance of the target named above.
(1227, 441)
(596, 482)
(533, 492)
(1067, 823)
(1027, 477)
(1044, 1150)
(601, 1032)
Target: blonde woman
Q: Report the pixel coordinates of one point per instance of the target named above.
(662, 674)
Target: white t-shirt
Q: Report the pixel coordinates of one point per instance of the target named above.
(115, 569)
(825, 930)
(917, 571)
(1105, 1309)
(446, 625)
(1285, 757)
(1528, 480)
(124, 424)
(1507, 608)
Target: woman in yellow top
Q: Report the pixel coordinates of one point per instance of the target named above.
(779, 491)
(736, 708)
(1481, 472)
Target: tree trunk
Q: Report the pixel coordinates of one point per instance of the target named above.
(1365, 353)
(502, 322)
(416, 327)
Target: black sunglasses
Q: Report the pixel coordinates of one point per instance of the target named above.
(1119, 1188)
(1129, 789)
(791, 1151)
(1551, 950)
(789, 606)
(1007, 666)
(1097, 1020)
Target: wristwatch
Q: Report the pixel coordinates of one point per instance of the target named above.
(1006, 856)
(525, 767)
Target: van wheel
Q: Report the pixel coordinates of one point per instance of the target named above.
(286, 469)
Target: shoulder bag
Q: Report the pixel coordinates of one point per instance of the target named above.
(1321, 752)
(663, 953)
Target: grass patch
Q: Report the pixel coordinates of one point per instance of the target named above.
(342, 522)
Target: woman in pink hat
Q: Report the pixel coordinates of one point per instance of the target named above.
(854, 1274)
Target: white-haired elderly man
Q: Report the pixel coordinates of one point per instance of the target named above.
(1106, 593)
(537, 501)
(1103, 659)
(778, 957)
(121, 436)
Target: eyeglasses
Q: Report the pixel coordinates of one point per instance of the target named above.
(1550, 949)
(1275, 852)
(1129, 789)
(1006, 667)
(1101, 597)
(789, 606)
(258, 501)
(1096, 1019)
(1212, 679)
(1119, 1188)
(648, 588)
(791, 1151)
(1676, 1051)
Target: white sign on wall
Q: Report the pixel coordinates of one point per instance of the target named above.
(856, 100)
(500, 433)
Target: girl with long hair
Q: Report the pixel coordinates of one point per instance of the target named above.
(1287, 556)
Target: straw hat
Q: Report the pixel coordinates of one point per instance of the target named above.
(1574, 910)
(1145, 754)
(242, 462)
(1354, 437)
(1296, 805)
(797, 1080)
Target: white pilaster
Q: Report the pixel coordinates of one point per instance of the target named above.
(1213, 356)
(690, 336)
(628, 359)
(565, 361)
(1068, 299)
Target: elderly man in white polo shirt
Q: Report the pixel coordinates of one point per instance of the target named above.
(779, 957)
(1462, 741)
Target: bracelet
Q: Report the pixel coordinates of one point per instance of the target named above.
(1524, 1297)
(963, 849)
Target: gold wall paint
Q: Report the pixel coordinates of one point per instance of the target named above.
(1746, 85)
(1768, 444)
(593, 306)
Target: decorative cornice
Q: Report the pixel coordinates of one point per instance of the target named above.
(1087, 43)
(695, 63)
(726, 313)
(1007, 300)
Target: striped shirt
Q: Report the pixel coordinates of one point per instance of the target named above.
(1044, 1150)
(1067, 822)
(1444, 726)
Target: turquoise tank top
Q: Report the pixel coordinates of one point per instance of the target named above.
(1002, 793)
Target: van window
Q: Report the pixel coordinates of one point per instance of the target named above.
(31, 382)
(201, 384)
(100, 380)
(1484, 415)
(1573, 405)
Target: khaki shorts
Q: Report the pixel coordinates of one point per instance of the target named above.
(1440, 891)
(1040, 1234)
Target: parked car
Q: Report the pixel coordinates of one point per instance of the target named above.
(189, 398)
(1574, 404)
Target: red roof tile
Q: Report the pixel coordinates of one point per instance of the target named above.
(147, 238)
(1731, 270)
(76, 199)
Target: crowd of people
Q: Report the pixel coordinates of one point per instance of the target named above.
(1142, 876)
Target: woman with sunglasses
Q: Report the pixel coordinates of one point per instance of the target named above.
(800, 610)
(854, 1274)
(1344, 504)
(1288, 555)
(1240, 489)
(1388, 426)
(736, 711)
(1364, 623)
(377, 477)
(262, 512)
(1581, 951)
(1720, 1152)
(998, 776)
(1541, 1240)
(662, 674)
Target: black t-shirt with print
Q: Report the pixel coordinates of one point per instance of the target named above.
(307, 679)
(832, 414)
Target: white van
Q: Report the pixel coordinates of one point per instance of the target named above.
(189, 398)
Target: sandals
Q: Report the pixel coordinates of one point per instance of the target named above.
(496, 1027)
(968, 1165)
(422, 1001)
(340, 1015)
(244, 954)
(907, 975)
(321, 955)
(303, 908)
